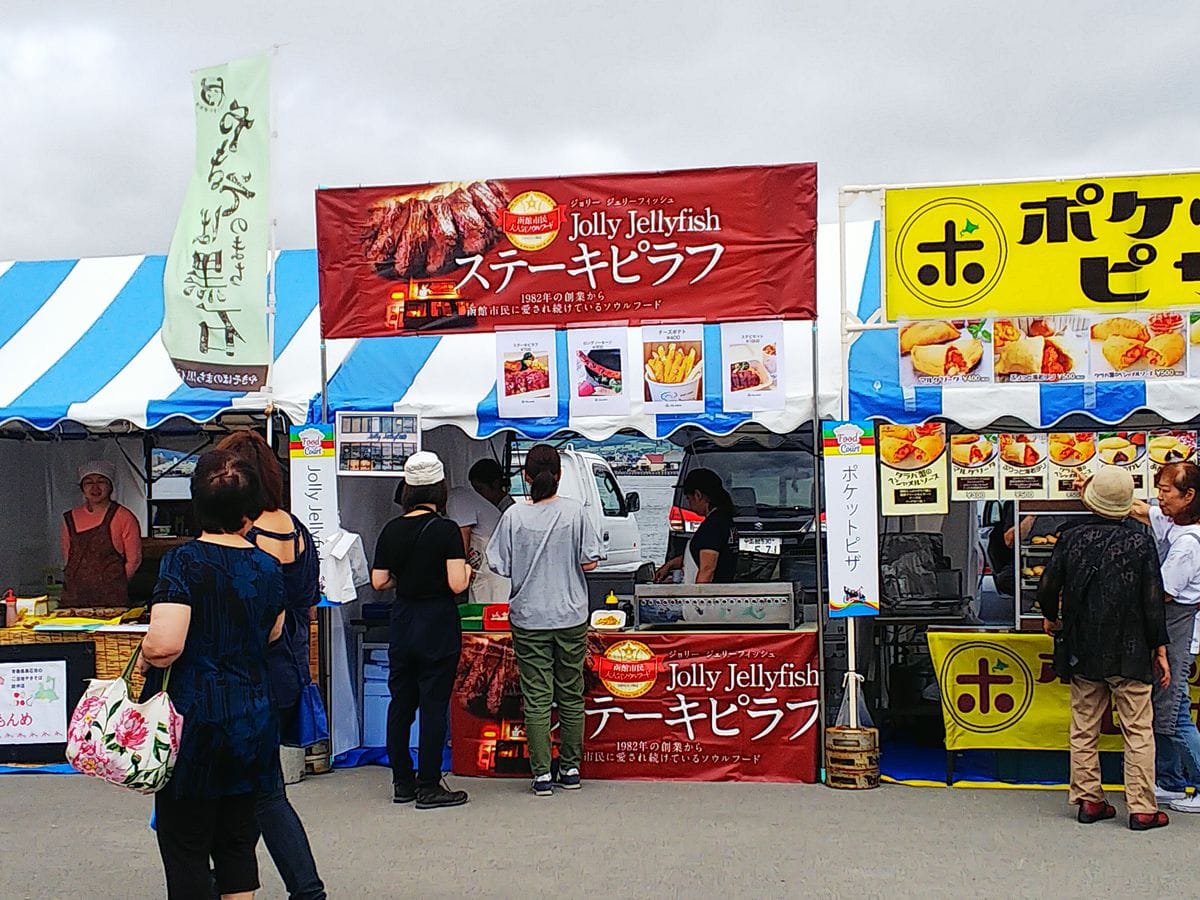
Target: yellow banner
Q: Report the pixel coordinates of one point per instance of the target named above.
(999, 692)
(1097, 245)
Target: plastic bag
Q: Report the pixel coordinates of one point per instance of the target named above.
(864, 716)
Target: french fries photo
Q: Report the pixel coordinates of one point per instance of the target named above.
(669, 364)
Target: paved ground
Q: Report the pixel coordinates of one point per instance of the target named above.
(67, 836)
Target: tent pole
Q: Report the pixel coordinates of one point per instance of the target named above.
(851, 630)
(324, 386)
(818, 539)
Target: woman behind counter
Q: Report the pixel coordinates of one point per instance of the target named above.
(709, 557)
(101, 542)
(217, 605)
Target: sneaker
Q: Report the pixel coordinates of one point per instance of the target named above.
(542, 786)
(404, 791)
(1162, 795)
(439, 796)
(1187, 805)
(569, 780)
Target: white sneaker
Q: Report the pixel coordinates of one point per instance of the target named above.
(1190, 805)
(1162, 795)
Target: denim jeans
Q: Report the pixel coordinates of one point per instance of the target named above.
(1177, 756)
(283, 833)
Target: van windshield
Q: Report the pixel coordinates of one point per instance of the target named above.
(763, 482)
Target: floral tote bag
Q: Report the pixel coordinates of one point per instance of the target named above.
(129, 744)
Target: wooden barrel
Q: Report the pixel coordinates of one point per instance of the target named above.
(852, 758)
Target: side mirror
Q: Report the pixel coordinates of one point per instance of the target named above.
(633, 502)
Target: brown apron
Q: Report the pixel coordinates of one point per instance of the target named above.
(95, 571)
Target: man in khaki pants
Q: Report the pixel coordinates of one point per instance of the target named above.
(1111, 642)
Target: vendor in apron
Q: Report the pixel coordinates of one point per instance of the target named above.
(101, 543)
(477, 510)
(710, 557)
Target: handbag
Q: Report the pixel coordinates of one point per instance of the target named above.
(123, 742)
(312, 725)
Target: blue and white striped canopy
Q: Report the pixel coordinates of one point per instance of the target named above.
(875, 391)
(80, 342)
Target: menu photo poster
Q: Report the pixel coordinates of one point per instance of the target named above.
(1072, 457)
(1023, 467)
(673, 358)
(752, 366)
(914, 478)
(975, 471)
(1127, 449)
(1139, 346)
(599, 371)
(1194, 344)
(951, 351)
(1166, 447)
(526, 374)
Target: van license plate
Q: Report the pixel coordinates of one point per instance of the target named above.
(771, 546)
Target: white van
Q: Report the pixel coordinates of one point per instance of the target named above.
(588, 478)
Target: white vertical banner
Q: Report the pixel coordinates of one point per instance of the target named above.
(215, 283)
(851, 519)
(313, 479)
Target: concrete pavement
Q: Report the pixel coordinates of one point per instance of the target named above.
(69, 836)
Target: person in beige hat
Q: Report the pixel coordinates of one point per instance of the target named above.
(101, 542)
(1102, 598)
(420, 555)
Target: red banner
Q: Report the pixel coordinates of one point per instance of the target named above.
(702, 244)
(659, 706)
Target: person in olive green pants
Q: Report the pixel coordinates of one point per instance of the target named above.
(551, 668)
(545, 547)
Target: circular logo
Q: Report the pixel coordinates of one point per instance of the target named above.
(985, 687)
(951, 252)
(628, 669)
(532, 220)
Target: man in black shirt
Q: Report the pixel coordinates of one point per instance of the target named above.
(1111, 641)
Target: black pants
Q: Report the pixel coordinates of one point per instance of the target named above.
(425, 684)
(190, 831)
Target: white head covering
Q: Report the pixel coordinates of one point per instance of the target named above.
(1109, 492)
(423, 468)
(99, 467)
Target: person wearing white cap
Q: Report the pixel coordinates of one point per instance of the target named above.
(101, 543)
(1103, 580)
(421, 556)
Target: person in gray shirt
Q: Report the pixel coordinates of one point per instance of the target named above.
(544, 547)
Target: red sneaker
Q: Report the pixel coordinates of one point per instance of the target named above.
(1092, 811)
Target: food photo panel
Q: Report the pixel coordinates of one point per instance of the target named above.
(1194, 344)
(1023, 466)
(599, 373)
(752, 366)
(1166, 447)
(1046, 348)
(945, 352)
(673, 360)
(1139, 346)
(1072, 456)
(1126, 449)
(526, 382)
(973, 463)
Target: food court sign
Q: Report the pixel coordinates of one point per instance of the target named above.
(1098, 245)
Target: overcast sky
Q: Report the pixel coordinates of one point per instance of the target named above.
(97, 132)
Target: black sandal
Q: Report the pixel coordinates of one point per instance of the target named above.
(1146, 821)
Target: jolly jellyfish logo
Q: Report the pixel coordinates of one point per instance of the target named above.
(985, 688)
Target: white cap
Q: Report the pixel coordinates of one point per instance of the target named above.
(423, 468)
(99, 467)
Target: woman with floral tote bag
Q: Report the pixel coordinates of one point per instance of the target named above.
(217, 605)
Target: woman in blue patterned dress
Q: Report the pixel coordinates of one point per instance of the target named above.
(217, 605)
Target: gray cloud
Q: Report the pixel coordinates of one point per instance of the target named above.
(98, 136)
